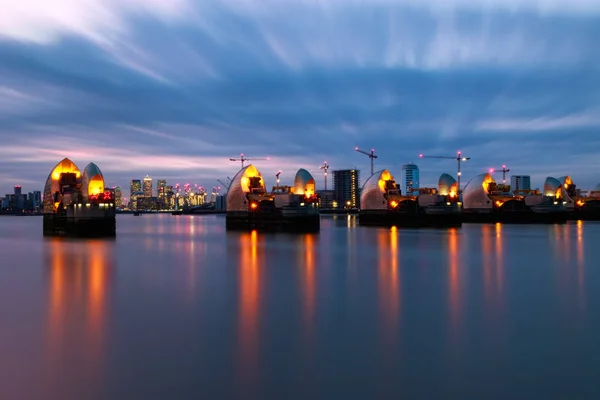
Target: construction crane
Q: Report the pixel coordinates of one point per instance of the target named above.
(325, 167)
(504, 170)
(243, 159)
(277, 176)
(371, 155)
(458, 157)
(224, 184)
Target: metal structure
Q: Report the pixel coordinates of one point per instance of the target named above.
(325, 168)
(224, 184)
(373, 194)
(304, 183)
(458, 157)
(243, 159)
(504, 170)
(371, 155)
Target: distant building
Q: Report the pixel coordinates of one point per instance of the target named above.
(520, 182)
(118, 197)
(346, 188)
(135, 186)
(410, 177)
(147, 186)
(221, 203)
(17, 190)
(161, 188)
(147, 203)
(35, 200)
(326, 199)
(133, 199)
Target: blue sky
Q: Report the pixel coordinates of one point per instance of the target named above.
(175, 88)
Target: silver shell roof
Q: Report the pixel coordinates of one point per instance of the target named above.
(446, 184)
(372, 193)
(475, 195)
(303, 182)
(236, 194)
(90, 171)
(52, 184)
(552, 186)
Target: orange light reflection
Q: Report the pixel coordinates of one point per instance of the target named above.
(79, 277)
(454, 280)
(249, 305)
(389, 296)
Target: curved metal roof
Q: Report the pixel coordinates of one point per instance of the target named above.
(92, 181)
(52, 183)
(373, 191)
(304, 183)
(239, 188)
(447, 185)
(552, 187)
(475, 194)
(565, 180)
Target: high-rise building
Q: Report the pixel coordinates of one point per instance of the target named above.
(410, 177)
(147, 186)
(17, 190)
(135, 186)
(35, 199)
(520, 182)
(161, 188)
(346, 188)
(118, 197)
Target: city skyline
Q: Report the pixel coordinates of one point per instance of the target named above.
(174, 89)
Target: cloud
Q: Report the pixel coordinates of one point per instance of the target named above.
(174, 89)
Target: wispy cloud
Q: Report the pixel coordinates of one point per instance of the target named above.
(176, 88)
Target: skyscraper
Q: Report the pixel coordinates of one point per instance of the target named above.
(161, 188)
(346, 188)
(410, 177)
(135, 186)
(520, 182)
(147, 186)
(118, 197)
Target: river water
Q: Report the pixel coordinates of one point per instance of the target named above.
(176, 307)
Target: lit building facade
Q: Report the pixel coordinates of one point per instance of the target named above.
(161, 188)
(326, 199)
(410, 177)
(135, 186)
(520, 182)
(147, 188)
(346, 188)
(118, 197)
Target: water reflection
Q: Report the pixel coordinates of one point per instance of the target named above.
(307, 263)
(250, 260)
(388, 285)
(454, 280)
(580, 261)
(79, 277)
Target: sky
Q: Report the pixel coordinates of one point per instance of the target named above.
(174, 89)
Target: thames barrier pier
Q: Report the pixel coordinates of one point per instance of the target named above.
(76, 204)
(249, 206)
(382, 204)
(484, 201)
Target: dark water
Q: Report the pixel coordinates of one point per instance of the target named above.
(178, 308)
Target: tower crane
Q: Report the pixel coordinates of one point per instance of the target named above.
(224, 184)
(458, 157)
(504, 170)
(243, 159)
(325, 167)
(277, 177)
(371, 155)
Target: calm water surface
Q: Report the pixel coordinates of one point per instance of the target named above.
(175, 307)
